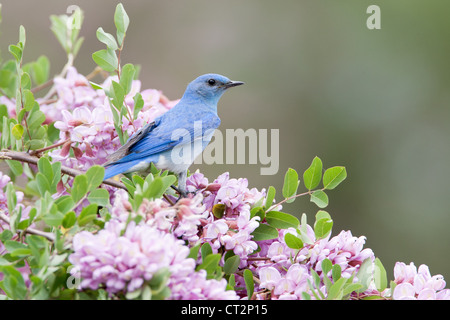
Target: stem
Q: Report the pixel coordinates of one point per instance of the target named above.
(38, 151)
(48, 235)
(27, 158)
(94, 72)
(259, 259)
(42, 86)
(287, 199)
(241, 273)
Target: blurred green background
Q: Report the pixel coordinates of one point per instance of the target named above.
(375, 101)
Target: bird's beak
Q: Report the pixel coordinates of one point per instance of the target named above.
(233, 84)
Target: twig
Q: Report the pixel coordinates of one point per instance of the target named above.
(38, 151)
(48, 235)
(27, 158)
(42, 86)
(290, 198)
(94, 72)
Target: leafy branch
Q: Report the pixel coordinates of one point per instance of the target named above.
(27, 158)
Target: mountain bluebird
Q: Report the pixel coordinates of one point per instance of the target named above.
(176, 138)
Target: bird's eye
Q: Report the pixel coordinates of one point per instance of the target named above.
(211, 82)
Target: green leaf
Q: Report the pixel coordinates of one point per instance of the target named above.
(281, 220)
(312, 176)
(290, 185)
(129, 185)
(77, 46)
(43, 184)
(336, 272)
(205, 250)
(159, 278)
(107, 39)
(336, 290)
(28, 100)
(12, 245)
(64, 204)
(167, 182)
(231, 264)
(25, 81)
(333, 177)
(380, 276)
(22, 35)
(53, 217)
(95, 175)
(99, 197)
(193, 253)
(292, 241)
(6, 235)
(59, 28)
(17, 131)
(69, 220)
(118, 95)
(79, 188)
(56, 168)
(15, 166)
(41, 70)
(326, 265)
(16, 52)
(270, 197)
(321, 214)
(34, 144)
(365, 274)
(351, 287)
(258, 212)
(218, 210)
(45, 167)
(210, 264)
(155, 189)
(35, 119)
(320, 198)
(322, 227)
(106, 59)
(121, 21)
(127, 76)
(249, 283)
(88, 214)
(231, 282)
(264, 232)
(138, 104)
(13, 283)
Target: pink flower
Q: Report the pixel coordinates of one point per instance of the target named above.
(269, 277)
(413, 283)
(123, 263)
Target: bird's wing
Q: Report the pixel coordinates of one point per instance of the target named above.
(125, 149)
(157, 137)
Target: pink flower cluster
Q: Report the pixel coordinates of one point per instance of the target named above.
(182, 219)
(413, 283)
(287, 271)
(232, 231)
(123, 263)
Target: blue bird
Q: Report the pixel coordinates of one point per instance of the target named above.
(177, 137)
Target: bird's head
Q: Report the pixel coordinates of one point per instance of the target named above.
(210, 87)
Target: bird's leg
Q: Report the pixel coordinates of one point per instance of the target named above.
(175, 188)
(182, 184)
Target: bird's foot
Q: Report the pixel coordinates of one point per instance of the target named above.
(183, 194)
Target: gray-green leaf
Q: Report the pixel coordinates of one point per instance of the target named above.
(312, 176)
(333, 177)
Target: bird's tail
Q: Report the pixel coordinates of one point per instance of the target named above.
(117, 168)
